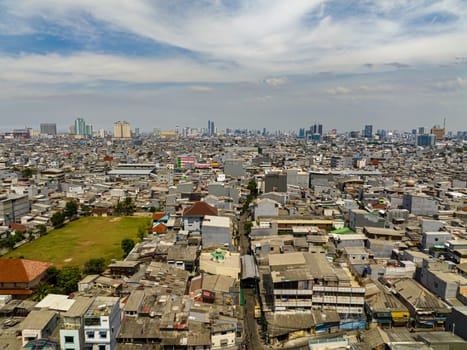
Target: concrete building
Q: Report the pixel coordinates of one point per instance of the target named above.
(234, 168)
(358, 218)
(431, 239)
(419, 204)
(48, 128)
(217, 230)
(266, 207)
(72, 329)
(12, 207)
(441, 279)
(102, 324)
(122, 130)
(275, 182)
(39, 324)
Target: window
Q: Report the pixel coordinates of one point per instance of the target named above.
(103, 334)
(69, 339)
(101, 347)
(90, 334)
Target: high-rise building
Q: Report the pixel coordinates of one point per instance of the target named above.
(122, 130)
(211, 128)
(81, 128)
(421, 130)
(368, 132)
(317, 129)
(301, 133)
(48, 128)
(438, 132)
(426, 140)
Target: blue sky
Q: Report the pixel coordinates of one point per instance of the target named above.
(397, 64)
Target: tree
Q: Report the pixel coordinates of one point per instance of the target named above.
(253, 187)
(85, 210)
(94, 266)
(42, 229)
(71, 209)
(68, 278)
(141, 233)
(248, 225)
(127, 207)
(42, 290)
(127, 245)
(27, 172)
(57, 219)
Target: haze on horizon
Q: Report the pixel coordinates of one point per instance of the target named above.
(396, 64)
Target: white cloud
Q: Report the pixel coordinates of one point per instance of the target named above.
(200, 88)
(257, 39)
(339, 90)
(276, 81)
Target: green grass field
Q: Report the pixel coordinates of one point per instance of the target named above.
(81, 240)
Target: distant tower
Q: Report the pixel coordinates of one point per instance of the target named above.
(49, 129)
(368, 132)
(122, 130)
(81, 128)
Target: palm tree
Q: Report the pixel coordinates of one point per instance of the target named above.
(42, 290)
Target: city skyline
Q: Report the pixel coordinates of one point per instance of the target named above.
(395, 65)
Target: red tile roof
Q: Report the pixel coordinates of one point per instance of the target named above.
(200, 209)
(159, 228)
(21, 270)
(18, 227)
(15, 292)
(158, 216)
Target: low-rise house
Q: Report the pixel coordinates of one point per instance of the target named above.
(183, 257)
(425, 309)
(102, 323)
(72, 327)
(383, 309)
(217, 230)
(433, 239)
(19, 277)
(194, 215)
(39, 324)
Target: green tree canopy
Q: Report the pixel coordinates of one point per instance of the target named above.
(71, 209)
(126, 207)
(42, 229)
(94, 266)
(68, 278)
(57, 219)
(41, 291)
(127, 245)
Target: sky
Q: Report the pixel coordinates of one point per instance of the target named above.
(274, 64)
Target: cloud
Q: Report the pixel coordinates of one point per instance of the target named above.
(449, 85)
(276, 82)
(398, 65)
(339, 90)
(200, 88)
(259, 38)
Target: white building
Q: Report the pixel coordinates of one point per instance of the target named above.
(72, 330)
(102, 324)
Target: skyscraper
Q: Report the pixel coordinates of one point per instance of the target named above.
(81, 128)
(211, 128)
(48, 128)
(368, 132)
(439, 132)
(317, 129)
(122, 130)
